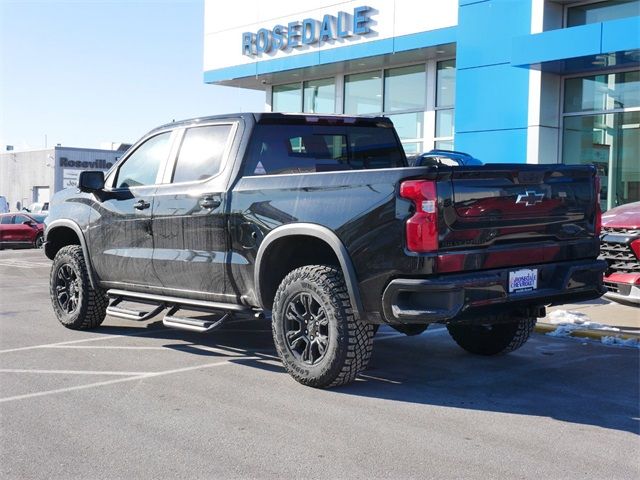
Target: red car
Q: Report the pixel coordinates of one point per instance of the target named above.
(620, 247)
(21, 230)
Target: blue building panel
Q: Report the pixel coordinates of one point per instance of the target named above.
(494, 97)
(557, 44)
(485, 30)
(497, 146)
(621, 35)
(440, 36)
(221, 74)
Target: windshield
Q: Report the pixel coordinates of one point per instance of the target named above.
(38, 218)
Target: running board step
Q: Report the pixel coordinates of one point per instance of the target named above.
(170, 301)
(129, 314)
(192, 324)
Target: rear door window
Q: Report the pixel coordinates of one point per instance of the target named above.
(201, 152)
(284, 149)
(6, 220)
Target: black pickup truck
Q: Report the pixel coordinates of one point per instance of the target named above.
(318, 223)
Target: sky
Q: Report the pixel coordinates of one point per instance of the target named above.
(86, 73)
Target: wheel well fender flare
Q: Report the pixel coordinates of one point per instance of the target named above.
(322, 233)
(65, 223)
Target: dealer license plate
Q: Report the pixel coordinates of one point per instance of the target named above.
(523, 280)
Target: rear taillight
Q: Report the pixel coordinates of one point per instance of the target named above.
(598, 220)
(422, 227)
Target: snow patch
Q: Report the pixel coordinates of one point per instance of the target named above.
(629, 342)
(569, 321)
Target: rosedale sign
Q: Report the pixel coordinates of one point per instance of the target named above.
(309, 31)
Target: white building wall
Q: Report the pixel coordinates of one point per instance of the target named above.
(20, 172)
(226, 21)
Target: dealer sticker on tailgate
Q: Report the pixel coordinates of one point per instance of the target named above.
(523, 280)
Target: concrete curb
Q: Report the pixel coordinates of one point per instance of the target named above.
(545, 328)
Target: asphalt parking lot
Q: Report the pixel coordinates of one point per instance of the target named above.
(136, 400)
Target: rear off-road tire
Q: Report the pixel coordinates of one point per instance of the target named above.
(316, 334)
(493, 337)
(76, 303)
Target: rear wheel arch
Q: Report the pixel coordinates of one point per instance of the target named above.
(316, 245)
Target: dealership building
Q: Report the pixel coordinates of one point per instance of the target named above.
(535, 81)
(33, 176)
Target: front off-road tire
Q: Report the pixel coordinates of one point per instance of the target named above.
(75, 302)
(317, 337)
(495, 336)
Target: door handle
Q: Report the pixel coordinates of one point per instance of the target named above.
(141, 205)
(209, 202)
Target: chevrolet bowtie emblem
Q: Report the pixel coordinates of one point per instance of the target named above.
(530, 198)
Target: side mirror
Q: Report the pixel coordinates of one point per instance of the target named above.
(91, 181)
(31, 223)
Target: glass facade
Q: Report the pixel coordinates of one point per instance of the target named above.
(319, 96)
(445, 101)
(363, 93)
(405, 88)
(286, 98)
(602, 92)
(404, 94)
(595, 12)
(601, 126)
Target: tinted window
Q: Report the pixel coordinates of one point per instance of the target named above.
(602, 12)
(141, 168)
(6, 219)
(201, 153)
(277, 149)
(19, 219)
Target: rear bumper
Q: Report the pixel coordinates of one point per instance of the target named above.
(452, 297)
(623, 288)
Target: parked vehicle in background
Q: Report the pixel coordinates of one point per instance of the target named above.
(318, 223)
(620, 247)
(4, 205)
(21, 230)
(37, 208)
(451, 158)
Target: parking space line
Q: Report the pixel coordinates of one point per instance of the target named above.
(23, 264)
(70, 372)
(117, 380)
(103, 347)
(82, 340)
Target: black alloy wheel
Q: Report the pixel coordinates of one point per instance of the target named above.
(306, 328)
(67, 288)
(319, 340)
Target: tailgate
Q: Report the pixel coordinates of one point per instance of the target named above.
(495, 204)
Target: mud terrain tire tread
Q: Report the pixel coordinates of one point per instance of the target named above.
(352, 342)
(93, 302)
(504, 335)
